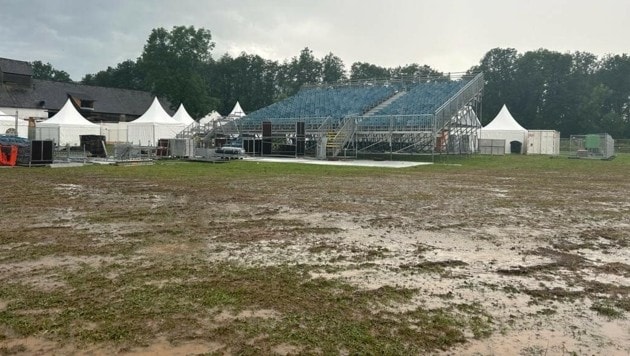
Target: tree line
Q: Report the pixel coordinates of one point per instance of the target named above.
(573, 93)
(570, 92)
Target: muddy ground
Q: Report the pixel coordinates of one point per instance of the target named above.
(530, 257)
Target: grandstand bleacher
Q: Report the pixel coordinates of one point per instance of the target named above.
(414, 110)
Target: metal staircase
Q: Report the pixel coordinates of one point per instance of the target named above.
(385, 103)
(190, 131)
(457, 102)
(452, 125)
(337, 141)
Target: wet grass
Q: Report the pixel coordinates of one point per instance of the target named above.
(155, 225)
(617, 237)
(13, 350)
(615, 268)
(433, 266)
(315, 314)
(562, 261)
(258, 229)
(607, 310)
(555, 294)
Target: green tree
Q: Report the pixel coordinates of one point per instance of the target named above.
(47, 72)
(544, 97)
(303, 69)
(594, 116)
(126, 75)
(499, 67)
(172, 64)
(249, 79)
(333, 69)
(614, 72)
(362, 71)
(415, 70)
(583, 102)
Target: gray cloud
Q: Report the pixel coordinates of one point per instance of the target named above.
(82, 36)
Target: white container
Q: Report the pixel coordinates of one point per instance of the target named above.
(543, 142)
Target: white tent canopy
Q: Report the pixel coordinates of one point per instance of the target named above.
(504, 121)
(153, 125)
(213, 116)
(237, 111)
(66, 126)
(181, 115)
(466, 117)
(505, 127)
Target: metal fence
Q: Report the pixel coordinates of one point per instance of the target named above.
(599, 146)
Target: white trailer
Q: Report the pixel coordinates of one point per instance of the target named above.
(543, 142)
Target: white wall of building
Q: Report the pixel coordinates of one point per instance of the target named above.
(25, 114)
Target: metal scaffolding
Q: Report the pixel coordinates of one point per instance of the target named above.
(448, 126)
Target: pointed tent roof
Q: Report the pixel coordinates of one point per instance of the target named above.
(68, 116)
(237, 111)
(504, 121)
(182, 116)
(213, 116)
(155, 114)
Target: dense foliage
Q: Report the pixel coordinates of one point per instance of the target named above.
(47, 72)
(177, 64)
(570, 92)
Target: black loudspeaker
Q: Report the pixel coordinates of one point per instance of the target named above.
(266, 137)
(251, 146)
(300, 136)
(41, 152)
(93, 144)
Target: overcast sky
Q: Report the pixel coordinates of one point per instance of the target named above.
(85, 36)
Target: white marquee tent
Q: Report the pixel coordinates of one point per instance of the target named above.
(211, 117)
(7, 125)
(505, 127)
(181, 115)
(153, 125)
(237, 112)
(66, 126)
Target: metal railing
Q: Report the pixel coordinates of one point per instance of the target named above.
(453, 105)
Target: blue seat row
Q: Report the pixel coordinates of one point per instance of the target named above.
(423, 98)
(334, 102)
(315, 105)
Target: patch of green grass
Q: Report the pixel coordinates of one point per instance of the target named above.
(432, 266)
(616, 236)
(322, 248)
(180, 299)
(479, 321)
(607, 310)
(547, 311)
(535, 350)
(247, 230)
(13, 350)
(553, 294)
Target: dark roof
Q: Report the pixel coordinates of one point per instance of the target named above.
(15, 67)
(81, 96)
(55, 94)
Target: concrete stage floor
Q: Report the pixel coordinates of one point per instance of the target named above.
(354, 163)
